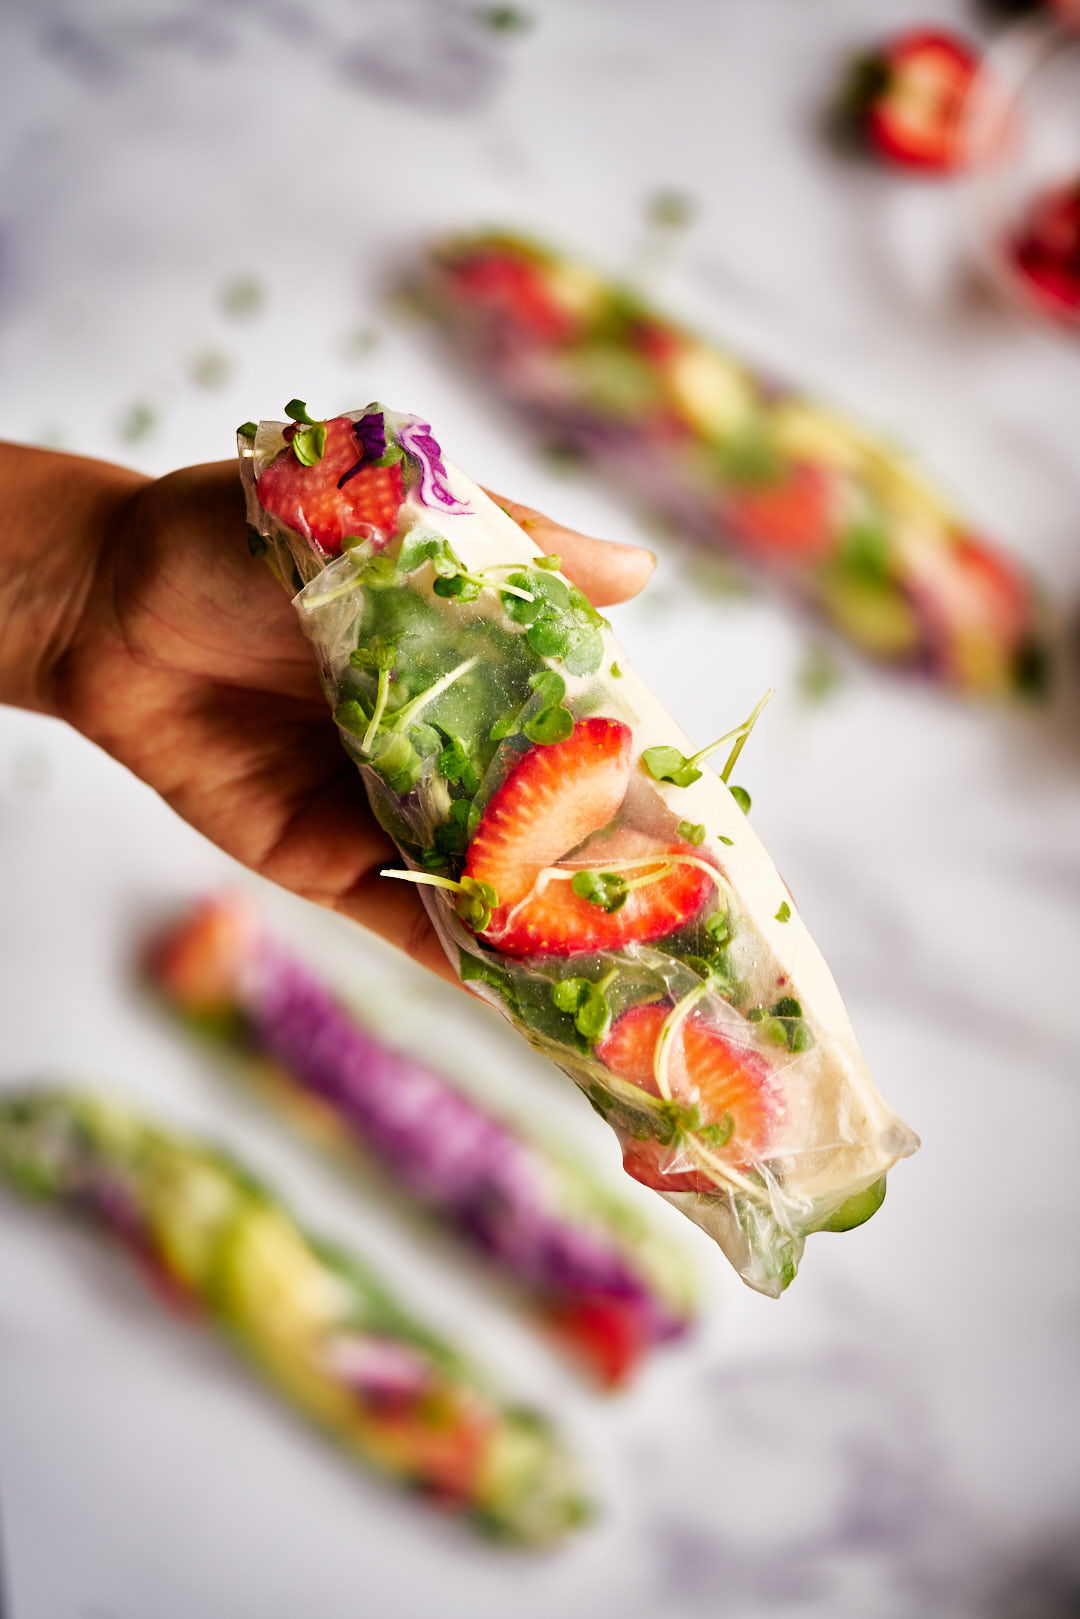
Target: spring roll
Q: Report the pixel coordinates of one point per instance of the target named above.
(741, 464)
(597, 1274)
(314, 1321)
(586, 870)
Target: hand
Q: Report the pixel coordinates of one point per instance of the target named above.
(184, 659)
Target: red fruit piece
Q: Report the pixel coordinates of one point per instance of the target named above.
(310, 500)
(609, 1336)
(706, 1068)
(909, 99)
(995, 589)
(554, 921)
(788, 520)
(555, 797)
(196, 962)
(1046, 252)
(512, 289)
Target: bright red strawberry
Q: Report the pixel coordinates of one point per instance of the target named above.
(909, 99)
(789, 520)
(555, 797)
(706, 1066)
(1046, 252)
(609, 1336)
(554, 921)
(321, 504)
(513, 290)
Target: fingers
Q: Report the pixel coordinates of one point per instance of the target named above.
(606, 571)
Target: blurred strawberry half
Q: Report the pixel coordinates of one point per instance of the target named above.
(1045, 252)
(908, 99)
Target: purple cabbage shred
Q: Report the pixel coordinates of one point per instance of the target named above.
(416, 438)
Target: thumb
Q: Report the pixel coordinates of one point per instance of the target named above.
(605, 570)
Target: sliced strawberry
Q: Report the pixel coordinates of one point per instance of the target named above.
(555, 797)
(321, 504)
(512, 289)
(1046, 252)
(196, 963)
(706, 1067)
(909, 99)
(609, 1336)
(790, 520)
(554, 921)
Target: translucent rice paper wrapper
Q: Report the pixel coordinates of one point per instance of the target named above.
(685, 997)
(743, 464)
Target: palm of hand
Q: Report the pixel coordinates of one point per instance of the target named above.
(189, 666)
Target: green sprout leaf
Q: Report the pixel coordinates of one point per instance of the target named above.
(550, 686)
(552, 563)
(604, 888)
(457, 767)
(296, 410)
(691, 832)
(248, 430)
(784, 914)
(550, 725)
(719, 1134)
(587, 1003)
(743, 799)
(309, 443)
(668, 764)
(616, 672)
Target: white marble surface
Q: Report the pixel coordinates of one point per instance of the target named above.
(897, 1437)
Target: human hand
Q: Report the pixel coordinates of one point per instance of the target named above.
(182, 657)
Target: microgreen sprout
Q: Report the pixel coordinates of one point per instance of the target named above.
(668, 764)
(378, 655)
(457, 767)
(587, 1002)
(691, 832)
(784, 913)
(783, 1024)
(616, 672)
(552, 723)
(476, 900)
(551, 563)
(248, 430)
(309, 437)
(558, 619)
(453, 581)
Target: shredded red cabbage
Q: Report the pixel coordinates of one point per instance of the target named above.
(370, 433)
(416, 438)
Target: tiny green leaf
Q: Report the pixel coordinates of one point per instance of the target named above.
(604, 888)
(800, 1037)
(308, 444)
(548, 685)
(247, 430)
(550, 725)
(668, 764)
(553, 563)
(570, 994)
(742, 798)
(729, 841)
(784, 913)
(787, 1006)
(719, 1134)
(296, 410)
(691, 831)
(616, 672)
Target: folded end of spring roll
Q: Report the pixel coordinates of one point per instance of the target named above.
(739, 463)
(317, 1325)
(587, 871)
(600, 1277)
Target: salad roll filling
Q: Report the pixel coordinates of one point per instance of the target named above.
(587, 870)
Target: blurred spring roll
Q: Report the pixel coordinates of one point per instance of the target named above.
(806, 497)
(598, 1275)
(315, 1322)
(586, 870)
